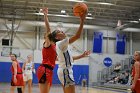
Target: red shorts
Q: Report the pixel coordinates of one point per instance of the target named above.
(137, 86)
(48, 75)
(20, 81)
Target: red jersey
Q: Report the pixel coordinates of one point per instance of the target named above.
(19, 76)
(137, 86)
(49, 55)
(19, 70)
(133, 72)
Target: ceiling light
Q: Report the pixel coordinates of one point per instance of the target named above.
(104, 3)
(38, 13)
(60, 15)
(134, 21)
(63, 11)
(52, 15)
(89, 14)
(76, 0)
(89, 18)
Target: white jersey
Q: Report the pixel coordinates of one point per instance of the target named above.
(28, 68)
(64, 55)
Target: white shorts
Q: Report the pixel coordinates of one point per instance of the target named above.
(65, 76)
(27, 77)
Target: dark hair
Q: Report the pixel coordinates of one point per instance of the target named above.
(52, 36)
(132, 61)
(14, 55)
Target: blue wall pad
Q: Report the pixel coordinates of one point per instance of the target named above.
(97, 42)
(120, 43)
(80, 72)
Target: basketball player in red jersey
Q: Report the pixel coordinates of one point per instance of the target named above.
(136, 73)
(17, 77)
(45, 70)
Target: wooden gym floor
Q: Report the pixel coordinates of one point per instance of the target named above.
(5, 88)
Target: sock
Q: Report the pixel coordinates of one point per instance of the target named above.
(19, 90)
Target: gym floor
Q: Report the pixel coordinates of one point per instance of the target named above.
(5, 88)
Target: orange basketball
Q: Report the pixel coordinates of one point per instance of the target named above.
(79, 9)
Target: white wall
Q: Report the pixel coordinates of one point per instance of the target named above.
(24, 40)
(27, 45)
(27, 40)
(23, 55)
(37, 54)
(136, 42)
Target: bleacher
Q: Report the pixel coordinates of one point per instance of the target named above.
(108, 74)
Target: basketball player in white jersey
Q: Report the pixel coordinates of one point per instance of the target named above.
(65, 59)
(28, 68)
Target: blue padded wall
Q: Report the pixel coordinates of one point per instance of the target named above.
(5, 72)
(97, 42)
(120, 43)
(80, 72)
